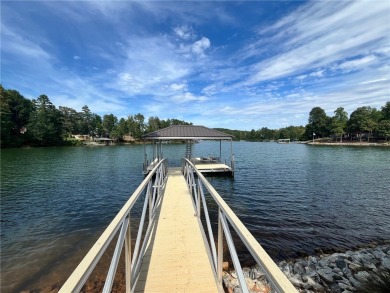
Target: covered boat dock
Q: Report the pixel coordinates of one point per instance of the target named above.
(191, 134)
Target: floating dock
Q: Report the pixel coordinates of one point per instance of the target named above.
(212, 167)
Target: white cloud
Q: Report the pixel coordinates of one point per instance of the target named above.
(185, 32)
(130, 83)
(178, 86)
(357, 63)
(17, 44)
(187, 97)
(317, 73)
(301, 77)
(319, 34)
(200, 46)
(150, 64)
(212, 89)
(76, 57)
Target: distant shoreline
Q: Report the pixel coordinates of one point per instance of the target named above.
(93, 144)
(381, 144)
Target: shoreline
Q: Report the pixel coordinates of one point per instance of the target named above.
(330, 271)
(380, 144)
(91, 143)
(338, 272)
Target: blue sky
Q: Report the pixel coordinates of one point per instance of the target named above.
(232, 64)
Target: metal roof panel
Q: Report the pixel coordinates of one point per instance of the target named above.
(187, 132)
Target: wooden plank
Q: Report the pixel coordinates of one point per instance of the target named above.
(176, 259)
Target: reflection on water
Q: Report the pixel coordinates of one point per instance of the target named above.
(294, 198)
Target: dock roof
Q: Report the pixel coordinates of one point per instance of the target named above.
(183, 132)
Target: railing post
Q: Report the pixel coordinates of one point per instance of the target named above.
(159, 180)
(189, 179)
(145, 162)
(233, 254)
(115, 258)
(220, 249)
(128, 257)
(187, 176)
(198, 198)
(139, 236)
(208, 223)
(150, 196)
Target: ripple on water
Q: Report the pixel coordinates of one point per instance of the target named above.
(293, 198)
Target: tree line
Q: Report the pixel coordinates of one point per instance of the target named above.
(364, 123)
(38, 122)
(267, 134)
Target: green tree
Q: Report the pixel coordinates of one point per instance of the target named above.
(71, 121)
(237, 134)
(266, 134)
(252, 135)
(384, 128)
(386, 111)
(96, 126)
(339, 122)
(177, 122)
(15, 114)
(46, 123)
(109, 124)
(86, 121)
(121, 129)
(376, 117)
(21, 109)
(137, 125)
(154, 124)
(318, 121)
(5, 114)
(116, 134)
(283, 133)
(362, 121)
(293, 132)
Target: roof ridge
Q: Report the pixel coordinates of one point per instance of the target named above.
(192, 132)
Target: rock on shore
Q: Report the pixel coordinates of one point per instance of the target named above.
(336, 273)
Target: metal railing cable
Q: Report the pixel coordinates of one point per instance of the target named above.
(197, 183)
(152, 186)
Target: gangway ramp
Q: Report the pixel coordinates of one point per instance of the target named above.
(171, 252)
(176, 259)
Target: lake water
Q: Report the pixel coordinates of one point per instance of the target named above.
(294, 198)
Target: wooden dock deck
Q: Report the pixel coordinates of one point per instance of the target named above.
(176, 259)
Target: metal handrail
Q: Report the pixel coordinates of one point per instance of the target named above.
(154, 185)
(225, 216)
